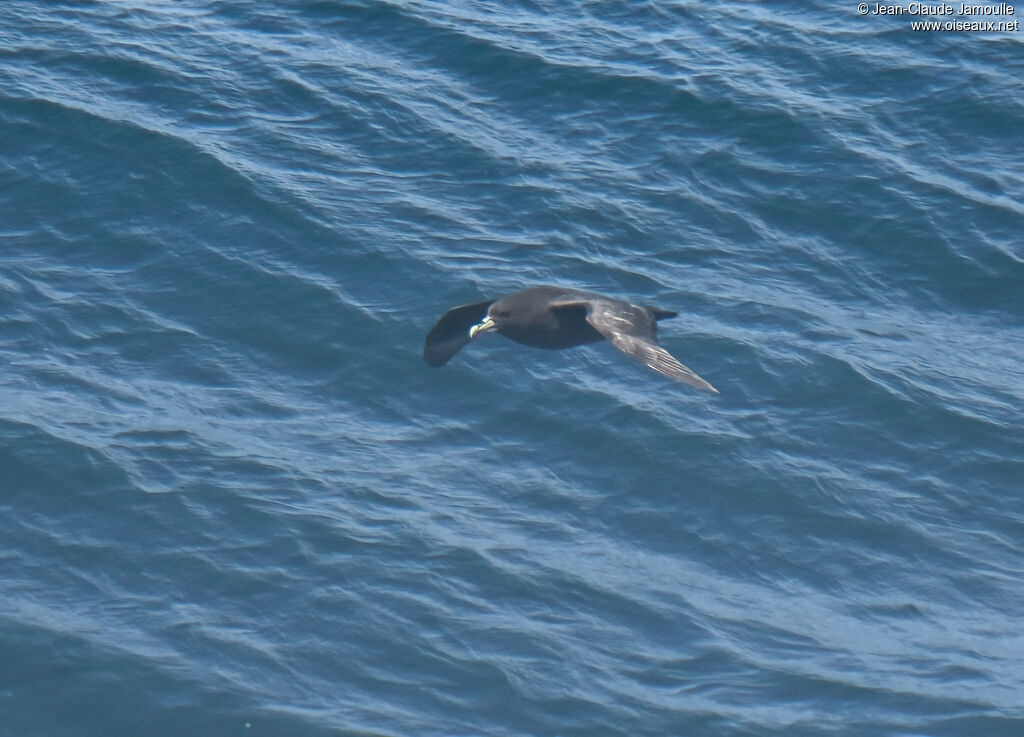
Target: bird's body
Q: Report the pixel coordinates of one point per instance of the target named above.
(537, 325)
(556, 318)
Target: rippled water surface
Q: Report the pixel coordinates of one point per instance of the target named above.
(235, 501)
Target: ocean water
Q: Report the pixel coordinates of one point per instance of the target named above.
(235, 501)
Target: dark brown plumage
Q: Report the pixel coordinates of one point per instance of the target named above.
(556, 317)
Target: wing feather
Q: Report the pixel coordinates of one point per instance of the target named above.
(657, 358)
(451, 332)
(632, 330)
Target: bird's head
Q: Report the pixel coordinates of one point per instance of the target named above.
(497, 316)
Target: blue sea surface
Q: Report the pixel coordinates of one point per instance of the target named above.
(235, 501)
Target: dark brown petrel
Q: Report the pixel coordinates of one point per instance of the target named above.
(555, 318)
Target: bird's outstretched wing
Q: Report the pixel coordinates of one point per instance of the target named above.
(451, 332)
(632, 330)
